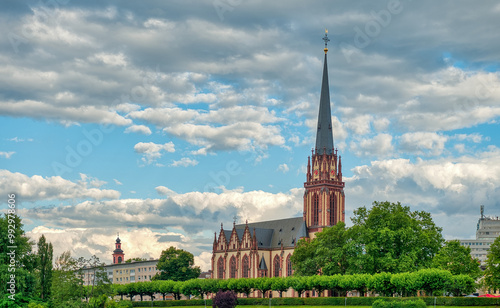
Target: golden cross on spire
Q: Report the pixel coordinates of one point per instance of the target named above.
(326, 39)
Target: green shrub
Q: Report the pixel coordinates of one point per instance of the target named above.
(383, 303)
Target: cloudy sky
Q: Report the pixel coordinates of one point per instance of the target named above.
(161, 120)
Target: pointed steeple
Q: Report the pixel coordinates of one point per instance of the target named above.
(324, 134)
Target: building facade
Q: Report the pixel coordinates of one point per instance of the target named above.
(263, 249)
(121, 272)
(488, 229)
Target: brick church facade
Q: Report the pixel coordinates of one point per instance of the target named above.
(263, 249)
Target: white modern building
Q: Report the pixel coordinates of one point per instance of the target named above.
(488, 229)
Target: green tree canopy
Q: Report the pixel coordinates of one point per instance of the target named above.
(44, 267)
(176, 264)
(457, 259)
(395, 239)
(492, 272)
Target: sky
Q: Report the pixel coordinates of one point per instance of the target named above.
(160, 120)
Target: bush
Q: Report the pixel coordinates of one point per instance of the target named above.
(380, 303)
(225, 299)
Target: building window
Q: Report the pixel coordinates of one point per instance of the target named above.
(315, 210)
(288, 266)
(246, 267)
(220, 268)
(232, 267)
(276, 265)
(333, 209)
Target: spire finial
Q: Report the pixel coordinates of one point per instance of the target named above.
(326, 39)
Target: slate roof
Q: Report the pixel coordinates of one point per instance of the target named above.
(324, 134)
(273, 233)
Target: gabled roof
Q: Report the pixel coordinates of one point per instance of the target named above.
(274, 233)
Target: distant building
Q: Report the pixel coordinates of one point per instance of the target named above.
(488, 229)
(263, 249)
(121, 272)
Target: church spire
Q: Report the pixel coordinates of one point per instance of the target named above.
(324, 134)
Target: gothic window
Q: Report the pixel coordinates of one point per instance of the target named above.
(332, 209)
(245, 267)
(276, 266)
(288, 266)
(232, 267)
(220, 268)
(315, 210)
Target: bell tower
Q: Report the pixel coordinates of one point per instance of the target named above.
(118, 255)
(324, 199)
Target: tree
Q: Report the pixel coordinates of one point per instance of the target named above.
(135, 259)
(263, 284)
(298, 283)
(461, 284)
(176, 264)
(44, 267)
(457, 259)
(433, 280)
(278, 284)
(19, 260)
(394, 238)
(333, 252)
(67, 287)
(303, 259)
(492, 272)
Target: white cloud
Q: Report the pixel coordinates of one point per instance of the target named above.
(184, 162)
(237, 136)
(192, 212)
(283, 168)
(66, 115)
(143, 129)
(359, 125)
(37, 188)
(153, 151)
(117, 182)
(378, 146)
(16, 139)
(449, 186)
(7, 154)
(423, 143)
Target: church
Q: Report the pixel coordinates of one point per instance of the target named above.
(263, 249)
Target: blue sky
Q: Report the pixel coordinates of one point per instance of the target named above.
(162, 119)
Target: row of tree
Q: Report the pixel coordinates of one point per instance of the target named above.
(430, 281)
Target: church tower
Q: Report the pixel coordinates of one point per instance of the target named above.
(118, 255)
(324, 199)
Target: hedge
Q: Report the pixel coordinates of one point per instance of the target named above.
(382, 303)
(330, 301)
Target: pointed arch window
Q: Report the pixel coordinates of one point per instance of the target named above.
(289, 271)
(276, 266)
(232, 267)
(245, 267)
(220, 268)
(315, 210)
(333, 209)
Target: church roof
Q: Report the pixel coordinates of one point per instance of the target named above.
(324, 134)
(262, 265)
(274, 233)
